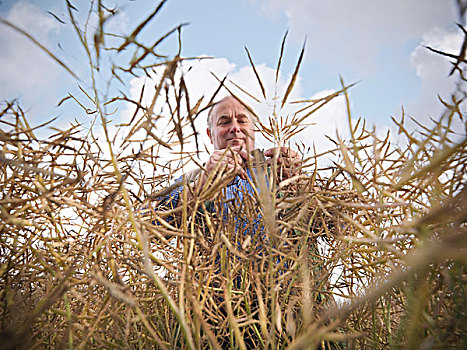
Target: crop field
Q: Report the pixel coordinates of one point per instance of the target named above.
(369, 252)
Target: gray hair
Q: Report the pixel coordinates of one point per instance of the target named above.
(209, 120)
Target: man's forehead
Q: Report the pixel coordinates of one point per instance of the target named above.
(229, 107)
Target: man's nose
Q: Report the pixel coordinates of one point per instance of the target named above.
(235, 127)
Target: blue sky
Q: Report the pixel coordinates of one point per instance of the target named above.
(378, 43)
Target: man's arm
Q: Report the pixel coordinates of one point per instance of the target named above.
(225, 162)
(230, 161)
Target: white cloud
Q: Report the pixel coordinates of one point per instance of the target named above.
(200, 82)
(27, 72)
(29, 17)
(433, 69)
(325, 121)
(329, 120)
(355, 32)
(370, 40)
(431, 66)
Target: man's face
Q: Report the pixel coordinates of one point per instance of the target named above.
(231, 125)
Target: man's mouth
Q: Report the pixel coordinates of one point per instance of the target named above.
(236, 139)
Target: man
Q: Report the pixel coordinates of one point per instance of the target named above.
(231, 131)
(227, 186)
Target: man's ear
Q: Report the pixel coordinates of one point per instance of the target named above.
(209, 134)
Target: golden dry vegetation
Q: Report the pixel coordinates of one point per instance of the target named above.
(367, 253)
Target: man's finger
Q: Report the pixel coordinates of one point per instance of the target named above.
(270, 152)
(235, 169)
(244, 155)
(285, 162)
(281, 151)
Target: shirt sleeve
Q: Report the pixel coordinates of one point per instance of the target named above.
(170, 200)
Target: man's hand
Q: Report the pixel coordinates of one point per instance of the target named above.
(230, 161)
(289, 162)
